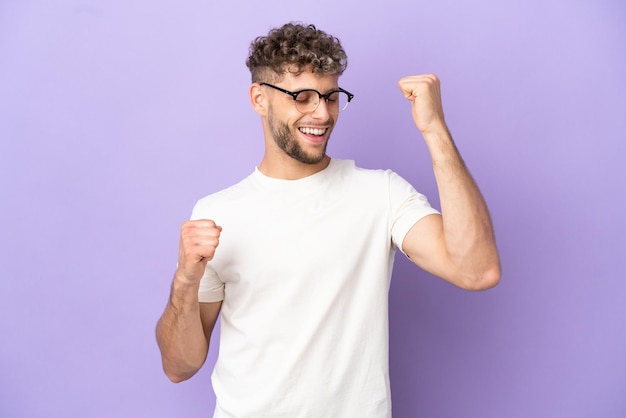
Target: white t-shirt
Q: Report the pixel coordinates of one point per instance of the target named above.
(303, 269)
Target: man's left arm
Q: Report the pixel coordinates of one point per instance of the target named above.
(458, 246)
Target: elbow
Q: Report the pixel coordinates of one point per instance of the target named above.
(489, 279)
(179, 371)
(178, 377)
(484, 279)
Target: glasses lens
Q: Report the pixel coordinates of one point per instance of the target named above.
(337, 102)
(308, 100)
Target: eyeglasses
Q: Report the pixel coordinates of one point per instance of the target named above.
(308, 100)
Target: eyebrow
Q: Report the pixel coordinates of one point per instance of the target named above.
(323, 92)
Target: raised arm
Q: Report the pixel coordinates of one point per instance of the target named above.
(458, 246)
(184, 330)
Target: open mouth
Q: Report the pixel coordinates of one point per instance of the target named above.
(313, 131)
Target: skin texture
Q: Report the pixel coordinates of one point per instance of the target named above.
(286, 141)
(276, 108)
(458, 246)
(184, 330)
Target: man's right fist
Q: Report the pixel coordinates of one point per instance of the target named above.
(198, 241)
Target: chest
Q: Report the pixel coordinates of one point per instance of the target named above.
(292, 239)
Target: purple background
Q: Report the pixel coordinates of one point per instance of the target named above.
(115, 117)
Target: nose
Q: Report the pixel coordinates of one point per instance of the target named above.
(321, 110)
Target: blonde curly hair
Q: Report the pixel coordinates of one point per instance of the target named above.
(295, 48)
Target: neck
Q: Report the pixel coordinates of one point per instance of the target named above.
(286, 168)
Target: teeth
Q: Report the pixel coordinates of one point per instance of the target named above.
(313, 131)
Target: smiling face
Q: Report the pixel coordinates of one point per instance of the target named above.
(302, 137)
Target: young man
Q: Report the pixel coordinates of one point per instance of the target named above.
(306, 246)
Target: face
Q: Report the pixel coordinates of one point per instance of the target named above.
(303, 137)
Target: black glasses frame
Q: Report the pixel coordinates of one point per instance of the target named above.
(326, 97)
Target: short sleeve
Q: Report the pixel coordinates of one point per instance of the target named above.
(211, 287)
(407, 207)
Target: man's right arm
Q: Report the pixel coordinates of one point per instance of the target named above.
(184, 330)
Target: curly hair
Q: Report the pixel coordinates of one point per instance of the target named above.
(295, 48)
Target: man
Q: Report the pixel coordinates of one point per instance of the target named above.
(306, 247)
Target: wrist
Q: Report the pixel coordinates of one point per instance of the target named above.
(184, 290)
(441, 147)
(436, 131)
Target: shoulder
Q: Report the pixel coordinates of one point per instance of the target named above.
(369, 177)
(383, 186)
(222, 199)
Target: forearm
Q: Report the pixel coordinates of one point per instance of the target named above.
(180, 333)
(460, 246)
(467, 227)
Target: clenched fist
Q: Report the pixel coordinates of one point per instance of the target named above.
(198, 241)
(424, 93)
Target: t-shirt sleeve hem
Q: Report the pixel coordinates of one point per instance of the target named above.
(403, 225)
(209, 297)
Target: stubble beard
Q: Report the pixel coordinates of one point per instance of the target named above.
(284, 138)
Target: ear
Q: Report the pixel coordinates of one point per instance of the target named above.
(258, 98)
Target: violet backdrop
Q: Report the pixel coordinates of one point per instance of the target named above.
(115, 117)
